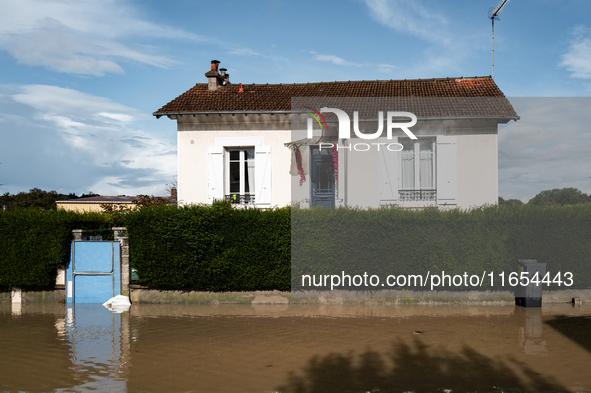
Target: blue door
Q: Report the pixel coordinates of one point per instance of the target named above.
(323, 179)
(94, 274)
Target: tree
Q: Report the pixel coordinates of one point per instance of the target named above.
(559, 197)
(169, 186)
(34, 199)
(509, 202)
(150, 201)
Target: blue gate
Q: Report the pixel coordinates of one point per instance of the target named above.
(94, 274)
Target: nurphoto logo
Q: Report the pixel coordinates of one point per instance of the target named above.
(345, 128)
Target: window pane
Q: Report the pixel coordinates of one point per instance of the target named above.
(426, 169)
(325, 176)
(426, 165)
(234, 155)
(407, 161)
(426, 145)
(234, 177)
(246, 185)
(249, 172)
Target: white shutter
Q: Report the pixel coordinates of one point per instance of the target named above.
(215, 173)
(262, 177)
(447, 173)
(388, 173)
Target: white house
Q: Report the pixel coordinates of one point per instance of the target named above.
(274, 145)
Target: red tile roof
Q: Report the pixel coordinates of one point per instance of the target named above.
(268, 98)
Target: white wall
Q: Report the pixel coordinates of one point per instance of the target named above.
(477, 165)
(192, 162)
(478, 176)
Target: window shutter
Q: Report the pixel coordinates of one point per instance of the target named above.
(215, 173)
(447, 174)
(388, 173)
(262, 177)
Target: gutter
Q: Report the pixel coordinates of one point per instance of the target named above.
(194, 113)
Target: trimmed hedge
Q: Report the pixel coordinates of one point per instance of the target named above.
(34, 242)
(393, 241)
(211, 248)
(221, 248)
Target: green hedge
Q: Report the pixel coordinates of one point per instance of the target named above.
(220, 248)
(212, 248)
(34, 242)
(392, 241)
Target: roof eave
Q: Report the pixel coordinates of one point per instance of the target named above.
(501, 119)
(193, 113)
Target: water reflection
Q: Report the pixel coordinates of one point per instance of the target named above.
(264, 348)
(530, 334)
(97, 348)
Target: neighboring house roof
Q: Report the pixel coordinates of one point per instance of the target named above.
(106, 199)
(424, 97)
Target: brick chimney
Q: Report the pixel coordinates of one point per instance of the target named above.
(173, 197)
(214, 79)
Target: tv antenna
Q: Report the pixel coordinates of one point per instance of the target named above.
(494, 14)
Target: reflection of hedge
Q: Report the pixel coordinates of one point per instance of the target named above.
(212, 248)
(396, 241)
(34, 242)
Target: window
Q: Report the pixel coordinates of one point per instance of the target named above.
(423, 174)
(240, 175)
(417, 170)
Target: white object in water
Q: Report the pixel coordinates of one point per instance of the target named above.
(118, 304)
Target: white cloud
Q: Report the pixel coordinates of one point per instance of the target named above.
(245, 52)
(451, 46)
(334, 60)
(74, 104)
(409, 16)
(386, 68)
(339, 61)
(79, 37)
(578, 58)
(78, 142)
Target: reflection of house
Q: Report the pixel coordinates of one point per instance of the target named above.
(250, 143)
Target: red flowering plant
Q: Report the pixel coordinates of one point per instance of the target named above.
(298, 155)
(335, 160)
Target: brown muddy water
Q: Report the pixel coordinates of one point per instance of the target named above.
(280, 348)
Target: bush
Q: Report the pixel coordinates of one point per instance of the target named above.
(34, 242)
(393, 241)
(220, 248)
(211, 248)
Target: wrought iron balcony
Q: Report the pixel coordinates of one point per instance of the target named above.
(417, 195)
(237, 199)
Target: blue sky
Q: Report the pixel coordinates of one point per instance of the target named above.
(80, 79)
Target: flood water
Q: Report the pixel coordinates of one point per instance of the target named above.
(280, 348)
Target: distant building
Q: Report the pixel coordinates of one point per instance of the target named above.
(93, 204)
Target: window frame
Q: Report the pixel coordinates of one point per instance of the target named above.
(243, 196)
(418, 195)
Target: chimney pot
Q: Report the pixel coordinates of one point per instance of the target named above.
(241, 88)
(214, 79)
